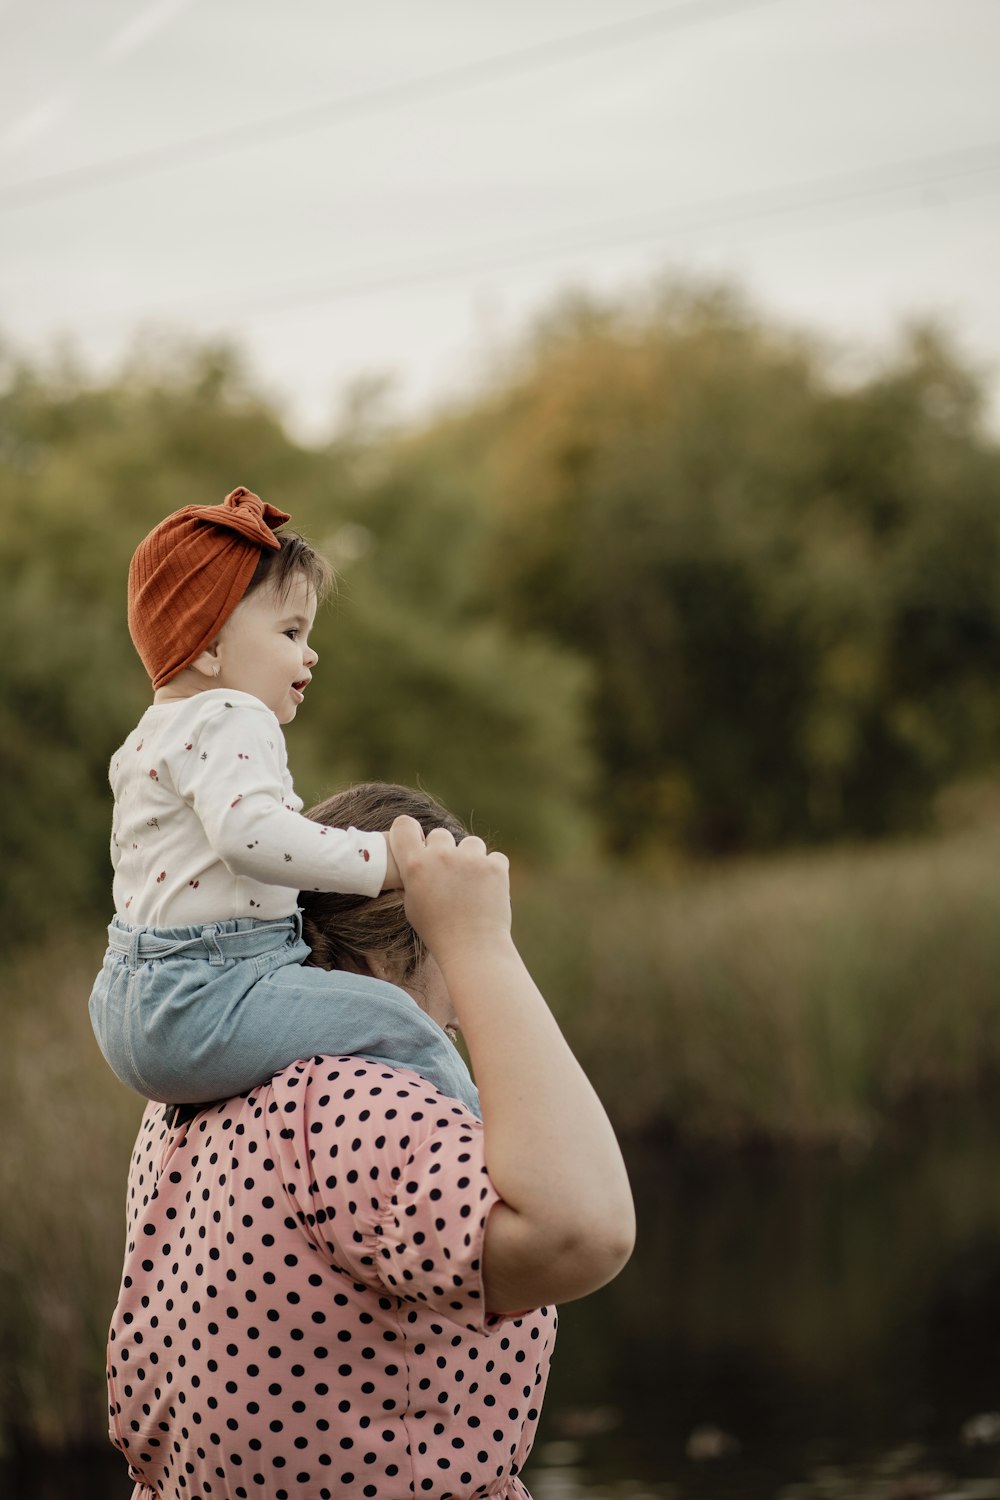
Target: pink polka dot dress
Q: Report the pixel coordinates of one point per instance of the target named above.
(301, 1313)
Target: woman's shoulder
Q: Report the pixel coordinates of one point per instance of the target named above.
(337, 1092)
(378, 1123)
(374, 1120)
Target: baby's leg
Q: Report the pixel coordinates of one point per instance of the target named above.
(225, 1038)
(297, 1011)
(191, 1015)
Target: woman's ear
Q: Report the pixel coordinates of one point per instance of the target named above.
(373, 964)
(395, 971)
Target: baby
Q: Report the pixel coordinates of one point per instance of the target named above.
(202, 993)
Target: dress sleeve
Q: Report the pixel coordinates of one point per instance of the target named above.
(398, 1172)
(232, 776)
(427, 1243)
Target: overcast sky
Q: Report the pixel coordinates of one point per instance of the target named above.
(390, 186)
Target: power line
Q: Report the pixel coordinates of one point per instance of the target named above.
(310, 117)
(865, 186)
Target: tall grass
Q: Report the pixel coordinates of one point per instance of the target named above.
(67, 1127)
(802, 1000)
(799, 1000)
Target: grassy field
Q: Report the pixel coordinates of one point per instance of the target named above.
(802, 1001)
(67, 1127)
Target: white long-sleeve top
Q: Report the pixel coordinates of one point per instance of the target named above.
(207, 825)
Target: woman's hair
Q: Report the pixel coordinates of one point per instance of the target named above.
(294, 555)
(342, 929)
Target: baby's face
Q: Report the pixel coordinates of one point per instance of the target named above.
(264, 649)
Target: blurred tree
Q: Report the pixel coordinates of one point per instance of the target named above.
(668, 541)
(485, 715)
(787, 588)
(85, 471)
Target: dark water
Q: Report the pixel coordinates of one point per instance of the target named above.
(829, 1328)
(804, 1329)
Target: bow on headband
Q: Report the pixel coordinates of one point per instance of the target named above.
(244, 512)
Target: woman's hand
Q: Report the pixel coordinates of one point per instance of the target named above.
(565, 1224)
(457, 896)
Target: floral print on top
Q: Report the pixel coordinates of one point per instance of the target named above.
(207, 825)
(301, 1314)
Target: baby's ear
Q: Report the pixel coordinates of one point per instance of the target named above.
(207, 661)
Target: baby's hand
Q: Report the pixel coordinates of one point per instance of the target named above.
(392, 881)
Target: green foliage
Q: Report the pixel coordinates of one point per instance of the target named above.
(430, 688)
(672, 579)
(787, 588)
(491, 720)
(485, 721)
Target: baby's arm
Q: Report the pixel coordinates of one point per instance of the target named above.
(393, 880)
(232, 775)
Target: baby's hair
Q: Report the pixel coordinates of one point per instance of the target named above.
(342, 929)
(278, 569)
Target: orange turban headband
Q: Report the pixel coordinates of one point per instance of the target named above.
(190, 573)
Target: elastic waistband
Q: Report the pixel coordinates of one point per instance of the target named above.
(242, 937)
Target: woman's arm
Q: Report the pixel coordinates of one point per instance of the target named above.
(566, 1223)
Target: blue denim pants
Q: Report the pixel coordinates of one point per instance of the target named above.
(189, 1014)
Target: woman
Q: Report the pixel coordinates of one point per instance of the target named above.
(326, 1279)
